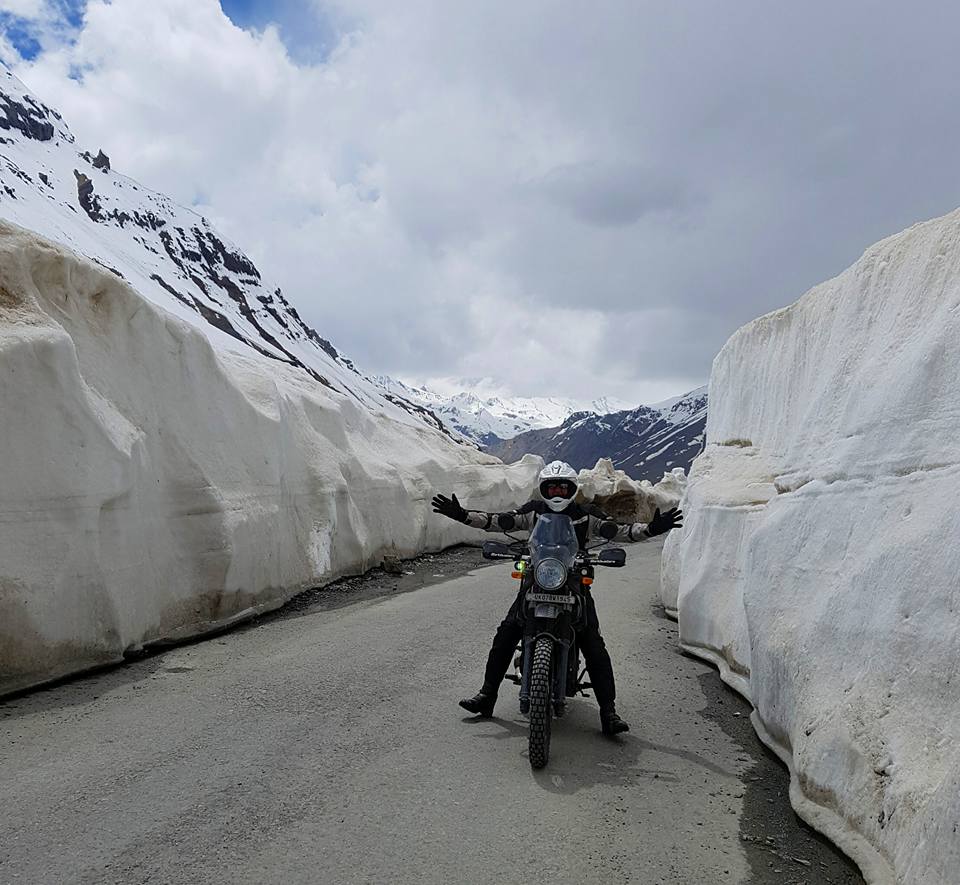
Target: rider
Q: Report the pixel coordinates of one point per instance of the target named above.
(558, 488)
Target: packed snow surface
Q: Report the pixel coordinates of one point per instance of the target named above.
(819, 559)
(153, 486)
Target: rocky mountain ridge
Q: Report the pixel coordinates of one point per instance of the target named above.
(645, 442)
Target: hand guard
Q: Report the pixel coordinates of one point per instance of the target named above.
(662, 523)
(608, 530)
(449, 507)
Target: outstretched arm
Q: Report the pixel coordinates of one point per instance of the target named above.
(479, 519)
(640, 531)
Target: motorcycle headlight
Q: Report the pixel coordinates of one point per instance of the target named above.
(551, 574)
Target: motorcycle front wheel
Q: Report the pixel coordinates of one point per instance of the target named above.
(541, 702)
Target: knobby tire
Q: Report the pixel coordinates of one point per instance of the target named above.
(541, 702)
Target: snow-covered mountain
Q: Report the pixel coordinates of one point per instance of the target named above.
(168, 253)
(489, 419)
(644, 442)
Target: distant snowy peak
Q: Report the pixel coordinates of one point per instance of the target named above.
(645, 442)
(487, 419)
(168, 253)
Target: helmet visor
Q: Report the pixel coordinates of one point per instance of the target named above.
(558, 488)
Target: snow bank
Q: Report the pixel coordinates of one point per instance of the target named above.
(626, 499)
(152, 487)
(818, 562)
(670, 569)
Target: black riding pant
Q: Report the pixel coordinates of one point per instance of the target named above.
(591, 643)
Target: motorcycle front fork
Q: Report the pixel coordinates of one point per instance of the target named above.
(559, 674)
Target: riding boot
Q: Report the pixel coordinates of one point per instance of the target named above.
(610, 722)
(481, 704)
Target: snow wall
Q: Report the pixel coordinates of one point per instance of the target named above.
(818, 564)
(153, 488)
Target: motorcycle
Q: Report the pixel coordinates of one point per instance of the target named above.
(553, 572)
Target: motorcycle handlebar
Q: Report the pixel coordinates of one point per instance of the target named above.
(614, 558)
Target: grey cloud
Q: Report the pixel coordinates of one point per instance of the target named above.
(608, 195)
(661, 173)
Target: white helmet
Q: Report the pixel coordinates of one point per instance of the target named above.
(558, 485)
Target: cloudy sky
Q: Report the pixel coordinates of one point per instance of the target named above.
(573, 198)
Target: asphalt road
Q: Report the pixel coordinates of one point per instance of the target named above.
(327, 747)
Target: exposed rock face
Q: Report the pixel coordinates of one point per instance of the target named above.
(86, 197)
(27, 116)
(101, 161)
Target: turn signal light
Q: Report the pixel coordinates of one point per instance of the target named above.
(516, 575)
(586, 581)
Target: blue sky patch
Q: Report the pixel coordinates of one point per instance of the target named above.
(21, 35)
(25, 34)
(71, 12)
(309, 34)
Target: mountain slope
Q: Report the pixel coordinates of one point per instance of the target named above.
(168, 253)
(488, 420)
(644, 442)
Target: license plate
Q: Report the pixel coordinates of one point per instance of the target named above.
(549, 597)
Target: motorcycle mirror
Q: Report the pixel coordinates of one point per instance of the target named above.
(497, 550)
(615, 557)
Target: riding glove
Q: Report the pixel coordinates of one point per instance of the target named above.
(449, 507)
(663, 522)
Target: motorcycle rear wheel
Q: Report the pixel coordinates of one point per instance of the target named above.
(541, 702)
